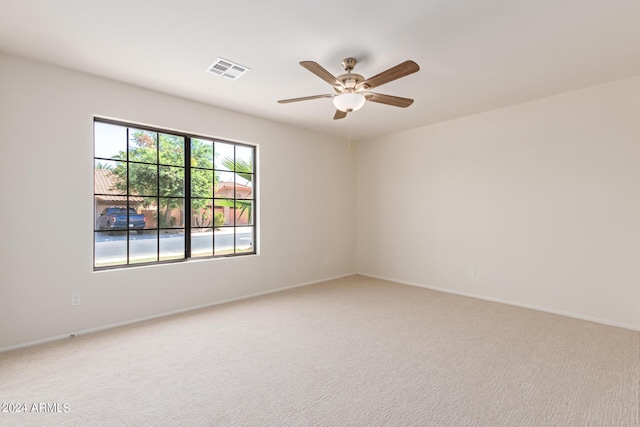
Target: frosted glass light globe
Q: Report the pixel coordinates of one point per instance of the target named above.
(349, 101)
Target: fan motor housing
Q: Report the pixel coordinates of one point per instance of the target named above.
(351, 81)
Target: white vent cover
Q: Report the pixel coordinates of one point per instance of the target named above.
(225, 68)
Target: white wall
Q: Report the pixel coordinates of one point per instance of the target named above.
(542, 198)
(46, 136)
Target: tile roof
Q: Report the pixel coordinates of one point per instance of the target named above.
(103, 188)
(230, 186)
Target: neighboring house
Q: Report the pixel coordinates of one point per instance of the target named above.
(107, 196)
(225, 189)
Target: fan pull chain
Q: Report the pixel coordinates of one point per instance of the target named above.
(348, 131)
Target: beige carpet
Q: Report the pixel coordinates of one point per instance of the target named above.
(349, 352)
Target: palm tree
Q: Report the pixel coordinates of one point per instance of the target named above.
(244, 169)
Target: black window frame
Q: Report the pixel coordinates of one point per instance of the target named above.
(186, 196)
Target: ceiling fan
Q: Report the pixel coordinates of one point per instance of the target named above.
(352, 90)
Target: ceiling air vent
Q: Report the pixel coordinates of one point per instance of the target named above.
(228, 69)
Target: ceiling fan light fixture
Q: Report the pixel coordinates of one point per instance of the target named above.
(348, 102)
(351, 88)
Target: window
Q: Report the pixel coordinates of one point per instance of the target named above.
(164, 196)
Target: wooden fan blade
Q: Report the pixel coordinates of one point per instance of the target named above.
(339, 115)
(317, 69)
(393, 73)
(396, 101)
(304, 98)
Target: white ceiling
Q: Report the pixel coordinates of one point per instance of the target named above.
(474, 55)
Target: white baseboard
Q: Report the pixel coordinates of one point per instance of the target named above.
(157, 316)
(513, 303)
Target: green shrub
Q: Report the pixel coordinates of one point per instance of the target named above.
(218, 219)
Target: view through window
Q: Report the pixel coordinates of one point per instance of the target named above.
(163, 196)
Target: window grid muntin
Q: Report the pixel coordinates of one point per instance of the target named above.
(186, 228)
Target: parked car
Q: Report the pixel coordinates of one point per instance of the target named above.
(115, 218)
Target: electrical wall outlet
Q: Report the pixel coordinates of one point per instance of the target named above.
(75, 299)
(472, 272)
(326, 260)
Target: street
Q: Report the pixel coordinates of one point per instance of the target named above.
(113, 248)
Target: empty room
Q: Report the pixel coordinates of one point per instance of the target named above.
(320, 214)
